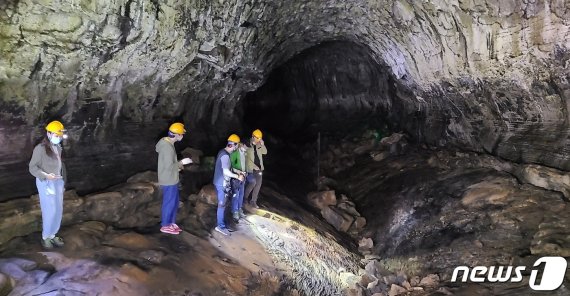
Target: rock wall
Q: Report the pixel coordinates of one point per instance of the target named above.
(485, 75)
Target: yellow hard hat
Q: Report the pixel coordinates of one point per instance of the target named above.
(177, 128)
(234, 138)
(257, 133)
(55, 127)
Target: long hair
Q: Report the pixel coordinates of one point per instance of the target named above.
(47, 146)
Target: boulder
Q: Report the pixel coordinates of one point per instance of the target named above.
(430, 281)
(322, 199)
(548, 178)
(358, 225)
(349, 208)
(208, 194)
(340, 220)
(367, 279)
(148, 176)
(486, 193)
(379, 156)
(365, 243)
(396, 290)
(371, 268)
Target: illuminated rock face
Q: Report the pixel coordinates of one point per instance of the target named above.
(486, 75)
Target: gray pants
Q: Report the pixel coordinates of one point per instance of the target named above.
(253, 184)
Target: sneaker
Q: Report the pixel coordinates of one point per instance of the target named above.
(169, 229)
(176, 227)
(236, 217)
(231, 228)
(254, 205)
(57, 241)
(47, 243)
(223, 231)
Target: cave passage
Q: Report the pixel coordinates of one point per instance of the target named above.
(324, 94)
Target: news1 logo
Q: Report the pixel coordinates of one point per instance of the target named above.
(552, 274)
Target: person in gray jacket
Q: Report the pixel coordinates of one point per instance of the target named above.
(254, 166)
(168, 167)
(48, 168)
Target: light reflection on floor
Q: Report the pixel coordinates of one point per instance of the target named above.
(315, 264)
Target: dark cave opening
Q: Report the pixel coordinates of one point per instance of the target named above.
(325, 94)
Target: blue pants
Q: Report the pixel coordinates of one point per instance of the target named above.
(170, 199)
(238, 188)
(51, 203)
(220, 191)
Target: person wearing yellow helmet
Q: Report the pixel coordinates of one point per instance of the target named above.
(254, 166)
(168, 179)
(48, 168)
(222, 177)
(237, 161)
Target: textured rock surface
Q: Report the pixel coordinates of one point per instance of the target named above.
(486, 75)
(130, 205)
(432, 216)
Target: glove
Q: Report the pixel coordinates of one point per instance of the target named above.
(186, 161)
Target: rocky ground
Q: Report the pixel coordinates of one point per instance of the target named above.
(389, 218)
(431, 210)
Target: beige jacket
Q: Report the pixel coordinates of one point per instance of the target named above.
(250, 157)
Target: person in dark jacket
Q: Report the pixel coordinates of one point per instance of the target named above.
(222, 176)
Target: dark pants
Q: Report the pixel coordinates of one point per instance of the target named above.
(253, 185)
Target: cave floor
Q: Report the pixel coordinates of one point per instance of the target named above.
(267, 254)
(427, 212)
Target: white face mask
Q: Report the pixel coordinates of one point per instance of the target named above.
(55, 139)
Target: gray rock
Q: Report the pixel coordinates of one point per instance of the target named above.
(322, 199)
(548, 178)
(371, 268)
(430, 281)
(340, 220)
(347, 207)
(208, 194)
(396, 290)
(148, 176)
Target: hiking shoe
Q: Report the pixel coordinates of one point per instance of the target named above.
(47, 243)
(236, 217)
(223, 231)
(176, 227)
(169, 229)
(57, 241)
